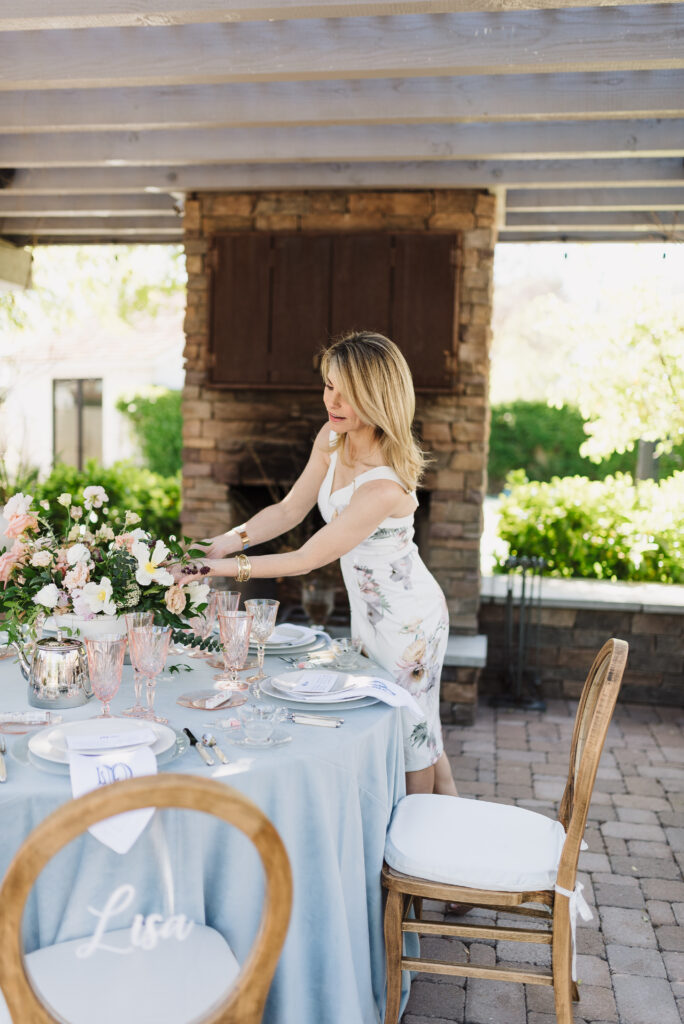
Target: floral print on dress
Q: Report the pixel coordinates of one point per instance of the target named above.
(419, 670)
(401, 572)
(376, 602)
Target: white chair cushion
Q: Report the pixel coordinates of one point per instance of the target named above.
(172, 984)
(474, 843)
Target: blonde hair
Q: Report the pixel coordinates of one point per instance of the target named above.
(375, 379)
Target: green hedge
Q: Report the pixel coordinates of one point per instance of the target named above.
(156, 498)
(158, 424)
(610, 529)
(544, 442)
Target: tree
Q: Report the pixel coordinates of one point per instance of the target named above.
(629, 384)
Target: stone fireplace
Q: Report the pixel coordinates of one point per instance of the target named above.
(238, 437)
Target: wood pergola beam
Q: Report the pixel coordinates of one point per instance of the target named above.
(92, 226)
(623, 220)
(431, 174)
(145, 205)
(354, 143)
(53, 14)
(607, 199)
(571, 40)
(561, 235)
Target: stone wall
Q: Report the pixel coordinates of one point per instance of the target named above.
(569, 639)
(222, 427)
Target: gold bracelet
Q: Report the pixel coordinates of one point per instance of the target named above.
(244, 568)
(242, 534)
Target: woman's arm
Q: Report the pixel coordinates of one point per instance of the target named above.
(371, 504)
(280, 517)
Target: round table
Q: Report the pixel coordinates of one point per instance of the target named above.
(329, 792)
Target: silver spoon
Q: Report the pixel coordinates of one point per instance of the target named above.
(210, 741)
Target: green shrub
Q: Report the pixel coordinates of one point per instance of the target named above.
(155, 498)
(544, 442)
(610, 529)
(158, 424)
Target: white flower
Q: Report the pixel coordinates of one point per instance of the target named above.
(94, 497)
(197, 593)
(48, 596)
(99, 596)
(18, 505)
(149, 570)
(45, 504)
(75, 512)
(105, 533)
(41, 559)
(64, 499)
(131, 518)
(78, 553)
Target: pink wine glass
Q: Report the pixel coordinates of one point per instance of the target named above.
(105, 665)
(149, 649)
(235, 629)
(134, 619)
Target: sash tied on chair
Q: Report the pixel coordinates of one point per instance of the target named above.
(577, 905)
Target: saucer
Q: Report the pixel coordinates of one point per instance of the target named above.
(238, 737)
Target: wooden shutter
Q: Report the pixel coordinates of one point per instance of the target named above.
(361, 283)
(240, 308)
(424, 306)
(300, 302)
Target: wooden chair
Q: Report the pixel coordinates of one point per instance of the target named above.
(502, 858)
(244, 1002)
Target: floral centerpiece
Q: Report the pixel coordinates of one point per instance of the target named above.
(88, 569)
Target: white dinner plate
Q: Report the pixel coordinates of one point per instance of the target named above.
(51, 744)
(288, 683)
(288, 635)
(353, 702)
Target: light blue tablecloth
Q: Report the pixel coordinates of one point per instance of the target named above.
(330, 793)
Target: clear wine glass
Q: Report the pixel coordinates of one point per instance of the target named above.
(224, 601)
(149, 648)
(264, 611)
(235, 629)
(134, 619)
(318, 601)
(105, 664)
(202, 626)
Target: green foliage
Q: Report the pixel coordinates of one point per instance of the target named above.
(545, 441)
(23, 479)
(158, 424)
(610, 529)
(156, 499)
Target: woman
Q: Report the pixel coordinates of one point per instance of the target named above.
(363, 471)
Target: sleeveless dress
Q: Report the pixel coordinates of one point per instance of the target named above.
(397, 609)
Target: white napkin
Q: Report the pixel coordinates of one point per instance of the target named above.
(288, 635)
(386, 690)
(113, 763)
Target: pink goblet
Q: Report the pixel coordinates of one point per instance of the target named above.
(105, 664)
(224, 601)
(149, 647)
(134, 619)
(235, 628)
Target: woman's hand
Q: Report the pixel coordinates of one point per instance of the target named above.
(221, 546)
(197, 570)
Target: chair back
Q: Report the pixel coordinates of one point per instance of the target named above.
(594, 712)
(244, 1003)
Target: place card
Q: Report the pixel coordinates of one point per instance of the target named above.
(97, 742)
(317, 682)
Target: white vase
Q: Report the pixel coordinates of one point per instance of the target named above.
(99, 625)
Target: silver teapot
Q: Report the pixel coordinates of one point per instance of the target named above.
(57, 673)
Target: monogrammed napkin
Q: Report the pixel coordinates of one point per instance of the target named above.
(110, 760)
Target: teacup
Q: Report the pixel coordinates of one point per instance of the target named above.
(258, 721)
(347, 651)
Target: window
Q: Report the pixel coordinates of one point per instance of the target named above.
(277, 298)
(77, 421)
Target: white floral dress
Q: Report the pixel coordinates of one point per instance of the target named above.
(397, 609)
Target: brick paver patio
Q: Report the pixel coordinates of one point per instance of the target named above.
(631, 956)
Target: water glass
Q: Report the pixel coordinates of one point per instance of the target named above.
(235, 629)
(318, 601)
(347, 651)
(149, 647)
(134, 619)
(264, 611)
(105, 664)
(258, 721)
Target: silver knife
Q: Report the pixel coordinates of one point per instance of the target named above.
(3, 766)
(331, 723)
(202, 751)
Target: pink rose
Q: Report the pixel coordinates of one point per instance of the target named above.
(125, 540)
(175, 599)
(77, 577)
(11, 558)
(80, 605)
(21, 524)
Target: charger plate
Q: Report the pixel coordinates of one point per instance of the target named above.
(50, 744)
(353, 702)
